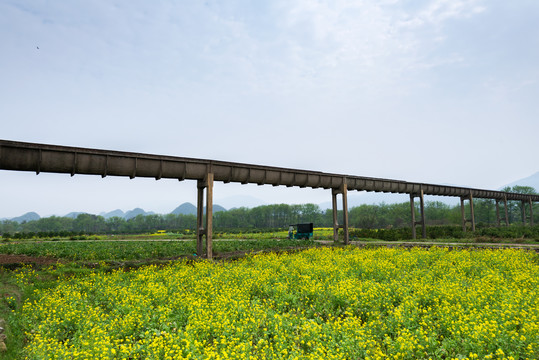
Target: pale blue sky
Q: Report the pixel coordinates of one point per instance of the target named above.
(441, 91)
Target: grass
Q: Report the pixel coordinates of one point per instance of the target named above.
(10, 300)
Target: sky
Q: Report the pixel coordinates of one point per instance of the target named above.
(439, 91)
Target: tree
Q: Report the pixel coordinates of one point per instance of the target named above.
(8, 226)
(89, 223)
(515, 208)
(365, 216)
(484, 211)
(437, 213)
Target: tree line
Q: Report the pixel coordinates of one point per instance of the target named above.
(380, 216)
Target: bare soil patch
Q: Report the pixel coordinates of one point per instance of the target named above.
(6, 259)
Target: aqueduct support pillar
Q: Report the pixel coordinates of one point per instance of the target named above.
(497, 212)
(412, 208)
(523, 212)
(472, 213)
(498, 216)
(334, 192)
(207, 230)
(462, 211)
(462, 214)
(531, 211)
(422, 214)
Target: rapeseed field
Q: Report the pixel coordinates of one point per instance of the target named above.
(325, 303)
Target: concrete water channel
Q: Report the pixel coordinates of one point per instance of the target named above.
(38, 158)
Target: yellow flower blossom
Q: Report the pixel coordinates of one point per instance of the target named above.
(325, 303)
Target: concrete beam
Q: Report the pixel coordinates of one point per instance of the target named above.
(20, 156)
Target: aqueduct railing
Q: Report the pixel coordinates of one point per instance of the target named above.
(21, 156)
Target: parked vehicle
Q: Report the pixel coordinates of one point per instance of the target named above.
(300, 231)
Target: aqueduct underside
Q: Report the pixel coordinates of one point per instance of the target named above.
(21, 156)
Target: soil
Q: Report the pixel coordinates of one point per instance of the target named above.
(24, 259)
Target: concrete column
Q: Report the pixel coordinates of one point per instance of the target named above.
(335, 219)
(524, 212)
(422, 207)
(462, 214)
(345, 213)
(472, 213)
(531, 211)
(200, 216)
(344, 192)
(201, 230)
(209, 215)
(497, 212)
(506, 211)
(412, 208)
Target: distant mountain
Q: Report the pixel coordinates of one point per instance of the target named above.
(185, 209)
(114, 213)
(73, 215)
(135, 212)
(189, 209)
(532, 181)
(217, 208)
(27, 217)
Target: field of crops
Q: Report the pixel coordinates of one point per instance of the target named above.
(326, 303)
(139, 250)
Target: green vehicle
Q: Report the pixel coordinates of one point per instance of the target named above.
(300, 231)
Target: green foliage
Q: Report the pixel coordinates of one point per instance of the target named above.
(449, 232)
(521, 190)
(139, 250)
(381, 216)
